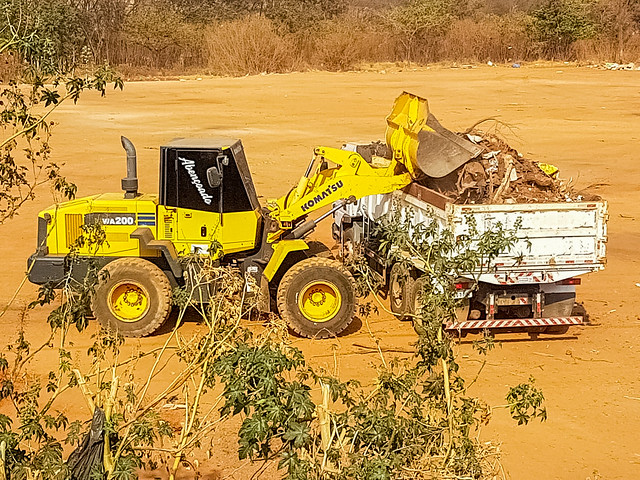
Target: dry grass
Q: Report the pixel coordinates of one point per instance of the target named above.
(248, 46)
(253, 45)
(336, 49)
(496, 38)
(344, 42)
(601, 50)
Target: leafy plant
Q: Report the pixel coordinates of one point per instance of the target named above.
(525, 402)
(559, 23)
(278, 409)
(25, 152)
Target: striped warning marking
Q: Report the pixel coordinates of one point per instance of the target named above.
(514, 323)
(524, 277)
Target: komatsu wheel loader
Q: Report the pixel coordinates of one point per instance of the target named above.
(206, 197)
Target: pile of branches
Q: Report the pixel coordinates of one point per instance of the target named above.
(500, 174)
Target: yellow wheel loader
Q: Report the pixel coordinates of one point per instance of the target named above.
(207, 197)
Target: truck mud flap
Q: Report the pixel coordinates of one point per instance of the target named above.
(515, 323)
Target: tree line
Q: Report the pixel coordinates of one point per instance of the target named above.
(250, 36)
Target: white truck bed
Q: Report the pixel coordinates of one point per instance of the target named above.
(556, 241)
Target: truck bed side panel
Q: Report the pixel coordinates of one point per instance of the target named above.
(555, 240)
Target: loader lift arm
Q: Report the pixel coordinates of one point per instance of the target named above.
(417, 145)
(352, 178)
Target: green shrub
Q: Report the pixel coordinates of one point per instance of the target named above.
(250, 45)
(53, 30)
(559, 23)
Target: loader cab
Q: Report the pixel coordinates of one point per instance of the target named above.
(207, 195)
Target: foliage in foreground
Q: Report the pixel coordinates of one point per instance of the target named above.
(44, 80)
(416, 420)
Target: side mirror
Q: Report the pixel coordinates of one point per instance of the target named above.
(214, 177)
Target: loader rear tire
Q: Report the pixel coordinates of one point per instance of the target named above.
(134, 297)
(317, 298)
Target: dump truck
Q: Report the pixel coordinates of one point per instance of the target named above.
(531, 287)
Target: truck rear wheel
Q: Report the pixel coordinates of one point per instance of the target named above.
(134, 298)
(401, 285)
(316, 297)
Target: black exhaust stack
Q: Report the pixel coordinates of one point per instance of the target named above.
(130, 183)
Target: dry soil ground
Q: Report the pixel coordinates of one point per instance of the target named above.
(585, 121)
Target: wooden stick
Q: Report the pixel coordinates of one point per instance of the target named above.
(3, 447)
(509, 161)
(82, 383)
(323, 418)
(375, 349)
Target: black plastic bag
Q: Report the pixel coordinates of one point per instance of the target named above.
(85, 462)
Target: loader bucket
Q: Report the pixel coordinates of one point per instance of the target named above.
(441, 151)
(418, 140)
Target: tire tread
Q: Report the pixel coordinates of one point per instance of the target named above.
(158, 278)
(290, 277)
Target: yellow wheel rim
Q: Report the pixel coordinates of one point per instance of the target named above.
(319, 301)
(128, 301)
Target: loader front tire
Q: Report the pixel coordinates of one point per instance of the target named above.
(317, 298)
(133, 297)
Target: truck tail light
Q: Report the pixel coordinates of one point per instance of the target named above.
(462, 285)
(569, 281)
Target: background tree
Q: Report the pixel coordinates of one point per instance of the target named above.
(102, 23)
(36, 35)
(420, 20)
(620, 20)
(295, 15)
(158, 26)
(559, 23)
